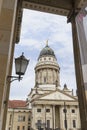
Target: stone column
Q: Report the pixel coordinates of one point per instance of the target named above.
(7, 25)
(46, 75)
(41, 80)
(34, 107)
(79, 77)
(53, 116)
(53, 76)
(60, 118)
(36, 77)
(45, 116)
(0, 5)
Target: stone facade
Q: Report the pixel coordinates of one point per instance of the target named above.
(51, 107)
(48, 100)
(18, 117)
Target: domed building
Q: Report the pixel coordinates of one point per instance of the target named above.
(47, 69)
(52, 107)
(48, 106)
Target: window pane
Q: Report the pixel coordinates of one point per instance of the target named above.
(38, 110)
(18, 127)
(47, 110)
(73, 111)
(23, 127)
(74, 123)
(23, 118)
(48, 123)
(44, 79)
(29, 119)
(39, 124)
(10, 119)
(28, 127)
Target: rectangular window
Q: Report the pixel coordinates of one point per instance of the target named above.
(29, 118)
(47, 110)
(48, 123)
(39, 121)
(73, 110)
(29, 127)
(23, 128)
(74, 123)
(18, 127)
(38, 110)
(39, 124)
(10, 119)
(21, 118)
(44, 79)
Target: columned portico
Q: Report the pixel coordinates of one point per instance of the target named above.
(7, 23)
(0, 5)
(79, 76)
(48, 101)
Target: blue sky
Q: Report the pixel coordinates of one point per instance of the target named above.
(37, 27)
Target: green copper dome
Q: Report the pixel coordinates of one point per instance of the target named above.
(47, 51)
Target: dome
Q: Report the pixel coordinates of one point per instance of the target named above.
(47, 51)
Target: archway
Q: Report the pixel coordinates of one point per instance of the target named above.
(10, 30)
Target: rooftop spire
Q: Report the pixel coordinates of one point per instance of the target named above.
(46, 42)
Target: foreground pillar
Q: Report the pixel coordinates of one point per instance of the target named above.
(0, 5)
(7, 24)
(79, 76)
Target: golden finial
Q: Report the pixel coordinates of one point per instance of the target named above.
(47, 43)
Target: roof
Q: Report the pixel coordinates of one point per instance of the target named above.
(56, 96)
(47, 51)
(60, 7)
(16, 104)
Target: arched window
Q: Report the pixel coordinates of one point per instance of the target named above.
(44, 79)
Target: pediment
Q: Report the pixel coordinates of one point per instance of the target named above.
(57, 95)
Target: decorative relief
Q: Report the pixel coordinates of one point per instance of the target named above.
(45, 8)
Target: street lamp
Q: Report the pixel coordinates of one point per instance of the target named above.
(40, 125)
(21, 64)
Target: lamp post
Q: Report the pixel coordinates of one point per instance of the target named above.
(39, 124)
(21, 64)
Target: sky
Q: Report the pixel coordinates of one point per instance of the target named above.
(37, 28)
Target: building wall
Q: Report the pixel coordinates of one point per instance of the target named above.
(47, 71)
(43, 115)
(18, 118)
(71, 114)
(56, 116)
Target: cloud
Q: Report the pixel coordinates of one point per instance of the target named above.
(37, 27)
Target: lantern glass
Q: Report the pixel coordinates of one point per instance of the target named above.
(21, 64)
